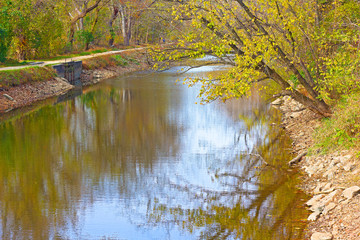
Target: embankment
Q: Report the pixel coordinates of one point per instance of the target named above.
(331, 180)
(24, 86)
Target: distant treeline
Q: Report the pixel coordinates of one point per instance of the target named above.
(31, 29)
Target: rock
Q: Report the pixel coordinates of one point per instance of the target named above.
(295, 114)
(348, 167)
(320, 205)
(329, 174)
(328, 208)
(277, 102)
(344, 159)
(351, 192)
(356, 172)
(311, 170)
(319, 187)
(321, 236)
(8, 97)
(314, 200)
(327, 187)
(314, 216)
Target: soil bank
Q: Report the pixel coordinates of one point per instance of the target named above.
(29, 93)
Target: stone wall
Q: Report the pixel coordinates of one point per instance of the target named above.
(71, 71)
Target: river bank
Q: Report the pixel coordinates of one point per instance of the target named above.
(332, 180)
(95, 69)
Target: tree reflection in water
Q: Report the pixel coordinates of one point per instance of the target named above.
(131, 142)
(56, 161)
(257, 202)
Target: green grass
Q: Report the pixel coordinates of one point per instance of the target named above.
(73, 55)
(108, 61)
(342, 130)
(12, 78)
(13, 63)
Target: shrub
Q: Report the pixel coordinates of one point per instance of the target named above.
(85, 37)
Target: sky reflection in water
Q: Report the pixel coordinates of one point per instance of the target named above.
(135, 158)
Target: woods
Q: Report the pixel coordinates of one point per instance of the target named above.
(310, 49)
(34, 29)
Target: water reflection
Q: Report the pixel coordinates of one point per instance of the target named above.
(135, 158)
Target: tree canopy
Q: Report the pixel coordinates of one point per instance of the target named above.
(33, 29)
(304, 46)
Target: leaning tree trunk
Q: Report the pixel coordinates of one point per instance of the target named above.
(80, 16)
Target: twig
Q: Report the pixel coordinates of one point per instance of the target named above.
(298, 158)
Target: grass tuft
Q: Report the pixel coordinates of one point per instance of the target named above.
(342, 130)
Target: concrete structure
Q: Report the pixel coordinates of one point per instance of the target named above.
(71, 71)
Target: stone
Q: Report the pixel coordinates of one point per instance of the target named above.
(314, 216)
(321, 236)
(8, 97)
(351, 192)
(295, 114)
(356, 172)
(348, 167)
(319, 187)
(344, 159)
(320, 205)
(327, 187)
(329, 207)
(311, 170)
(277, 102)
(314, 200)
(329, 174)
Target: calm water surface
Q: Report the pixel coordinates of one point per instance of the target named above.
(135, 158)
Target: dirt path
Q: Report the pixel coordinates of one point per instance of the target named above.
(45, 63)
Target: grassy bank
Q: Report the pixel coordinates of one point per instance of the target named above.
(12, 62)
(342, 130)
(108, 61)
(12, 78)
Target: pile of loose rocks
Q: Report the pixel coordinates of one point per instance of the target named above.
(333, 180)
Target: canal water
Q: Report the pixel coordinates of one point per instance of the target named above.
(135, 158)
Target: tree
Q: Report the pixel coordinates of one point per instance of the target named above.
(32, 28)
(129, 11)
(4, 31)
(114, 9)
(81, 8)
(278, 40)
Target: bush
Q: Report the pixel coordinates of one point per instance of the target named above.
(85, 37)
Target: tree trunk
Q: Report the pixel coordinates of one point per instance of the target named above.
(80, 16)
(315, 105)
(126, 23)
(114, 15)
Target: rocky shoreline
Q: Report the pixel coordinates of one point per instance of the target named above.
(332, 180)
(30, 93)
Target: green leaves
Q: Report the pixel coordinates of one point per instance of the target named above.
(4, 46)
(303, 45)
